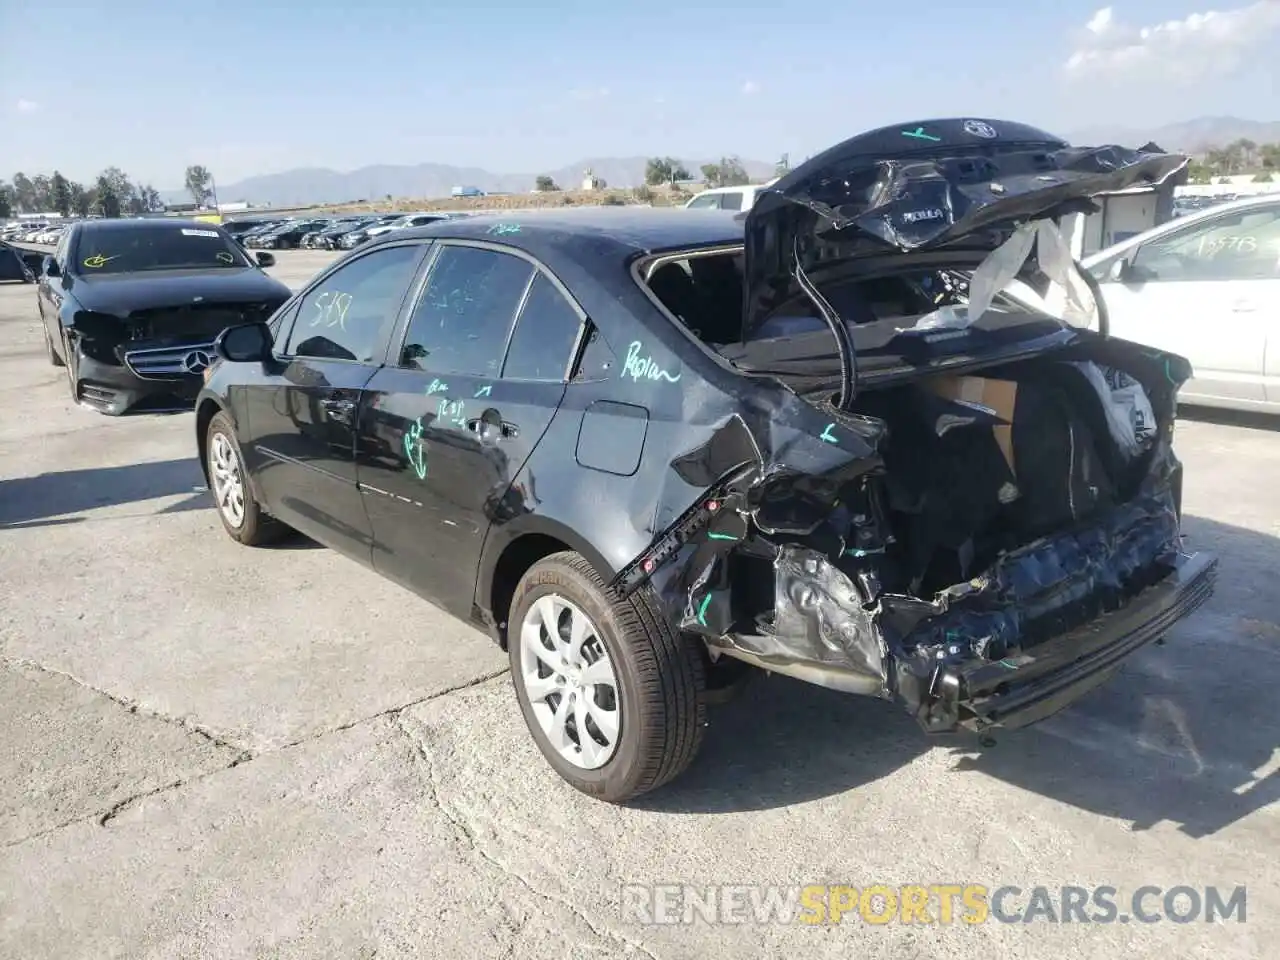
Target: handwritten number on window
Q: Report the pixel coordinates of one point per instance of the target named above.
(1212, 246)
(331, 310)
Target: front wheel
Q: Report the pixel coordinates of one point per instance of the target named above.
(241, 515)
(611, 693)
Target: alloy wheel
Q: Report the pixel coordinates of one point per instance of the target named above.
(570, 682)
(228, 481)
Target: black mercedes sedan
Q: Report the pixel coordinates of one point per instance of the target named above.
(131, 307)
(846, 437)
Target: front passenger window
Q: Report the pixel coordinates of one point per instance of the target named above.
(345, 317)
(1242, 245)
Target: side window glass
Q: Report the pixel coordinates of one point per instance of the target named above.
(281, 323)
(705, 202)
(546, 333)
(460, 324)
(598, 358)
(1241, 246)
(344, 317)
(731, 201)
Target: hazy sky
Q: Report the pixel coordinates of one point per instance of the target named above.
(256, 87)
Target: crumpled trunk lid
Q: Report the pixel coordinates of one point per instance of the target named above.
(961, 185)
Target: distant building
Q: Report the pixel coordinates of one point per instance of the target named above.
(591, 182)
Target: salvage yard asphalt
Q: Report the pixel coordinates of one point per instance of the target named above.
(214, 751)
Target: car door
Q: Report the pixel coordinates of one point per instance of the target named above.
(454, 417)
(49, 292)
(301, 423)
(1210, 292)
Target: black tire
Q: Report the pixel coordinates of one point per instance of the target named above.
(662, 715)
(256, 528)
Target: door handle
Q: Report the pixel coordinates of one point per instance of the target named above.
(339, 410)
(480, 425)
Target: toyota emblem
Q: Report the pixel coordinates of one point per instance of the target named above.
(196, 361)
(978, 128)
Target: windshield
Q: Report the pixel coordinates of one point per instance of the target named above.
(156, 247)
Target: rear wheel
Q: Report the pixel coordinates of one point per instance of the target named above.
(241, 516)
(610, 692)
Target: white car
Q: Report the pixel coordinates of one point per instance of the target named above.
(727, 198)
(409, 220)
(1207, 286)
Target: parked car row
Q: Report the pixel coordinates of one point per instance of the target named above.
(44, 231)
(324, 233)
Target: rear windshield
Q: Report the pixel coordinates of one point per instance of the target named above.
(705, 293)
(156, 247)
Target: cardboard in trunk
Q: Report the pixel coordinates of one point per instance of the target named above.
(999, 397)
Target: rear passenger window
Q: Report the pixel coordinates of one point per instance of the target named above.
(545, 335)
(461, 323)
(731, 201)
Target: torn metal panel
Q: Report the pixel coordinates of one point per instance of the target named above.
(828, 619)
(920, 186)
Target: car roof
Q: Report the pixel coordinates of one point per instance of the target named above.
(621, 230)
(96, 226)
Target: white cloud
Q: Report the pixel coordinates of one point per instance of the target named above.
(1200, 45)
(27, 106)
(750, 87)
(594, 93)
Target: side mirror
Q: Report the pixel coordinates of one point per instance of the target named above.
(244, 343)
(265, 259)
(49, 267)
(1121, 271)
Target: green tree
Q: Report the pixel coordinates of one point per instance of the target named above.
(82, 200)
(150, 197)
(108, 201)
(6, 200)
(198, 182)
(1199, 172)
(23, 193)
(60, 191)
(664, 170)
(544, 184)
(729, 172)
(1264, 177)
(41, 193)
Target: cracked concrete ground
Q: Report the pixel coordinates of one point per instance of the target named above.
(210, 751)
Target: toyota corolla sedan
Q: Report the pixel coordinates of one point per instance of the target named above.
(648, 451)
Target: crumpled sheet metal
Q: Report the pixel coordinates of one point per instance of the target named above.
(822, 618)
(1046, 588)
(883, 201)
(890, 191)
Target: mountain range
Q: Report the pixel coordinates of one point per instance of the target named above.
(431, 180)
(428, 180)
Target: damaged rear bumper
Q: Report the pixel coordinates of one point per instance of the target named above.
(1028, 686)
(1023, 689)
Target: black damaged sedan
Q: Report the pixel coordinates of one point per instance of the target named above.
(844, 438)
(131, 307)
